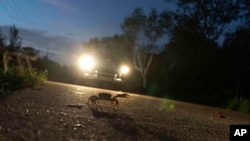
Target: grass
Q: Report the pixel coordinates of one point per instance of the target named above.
(15, 79)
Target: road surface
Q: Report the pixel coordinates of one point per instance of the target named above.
(60, 112)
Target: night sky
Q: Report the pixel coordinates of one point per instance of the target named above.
(60, 26)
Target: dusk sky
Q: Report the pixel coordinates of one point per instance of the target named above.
(61, 26)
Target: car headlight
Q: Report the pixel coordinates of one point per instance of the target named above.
(86, 62)
(124, 69)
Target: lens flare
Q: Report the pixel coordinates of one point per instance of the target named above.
(167, 105)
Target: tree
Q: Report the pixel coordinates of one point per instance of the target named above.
(144, 33)
(2, 40)
(245, 10)
(15, 41)
(2, 47)
(211, 17)
(191, 56)
(236, 62)
(30, 51)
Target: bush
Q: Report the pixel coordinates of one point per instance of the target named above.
(239, 104)
(3, 90)
(15, 79)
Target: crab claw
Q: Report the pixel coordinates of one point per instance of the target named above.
(124, 95)
(127, 95)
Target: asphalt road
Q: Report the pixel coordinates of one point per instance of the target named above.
(60, 112)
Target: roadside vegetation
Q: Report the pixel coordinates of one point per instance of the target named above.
(16, 70)
(15, 79)
(238, 104)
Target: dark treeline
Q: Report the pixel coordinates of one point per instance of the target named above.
(194, 67)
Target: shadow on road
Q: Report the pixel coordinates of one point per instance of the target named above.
(125, 124)
(118, 120)
(102, 114)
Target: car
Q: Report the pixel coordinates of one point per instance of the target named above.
(100, 68)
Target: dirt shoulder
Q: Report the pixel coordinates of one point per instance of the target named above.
(60, 112)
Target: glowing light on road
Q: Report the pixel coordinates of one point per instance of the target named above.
(86, 62)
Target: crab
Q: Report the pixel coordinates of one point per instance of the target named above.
(106, 97)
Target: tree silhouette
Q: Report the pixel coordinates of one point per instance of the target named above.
(2, 40)
(236, 63)
(209, 17)
(144, 32)
(13, 55)
(15, 41)
(30, 51)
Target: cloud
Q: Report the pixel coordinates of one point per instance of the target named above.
(59, 3)
(62, 49)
